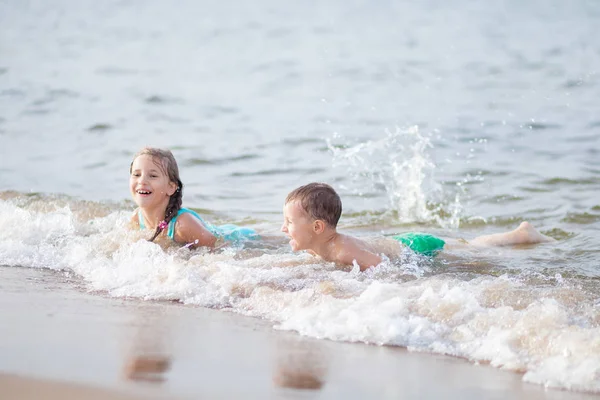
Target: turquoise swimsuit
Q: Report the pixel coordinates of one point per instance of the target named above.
(228, 232)
(421, 243)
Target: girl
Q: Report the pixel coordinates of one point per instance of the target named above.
(157, 190)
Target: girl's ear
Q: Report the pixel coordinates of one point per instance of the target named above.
(319, 226)
(172, 188)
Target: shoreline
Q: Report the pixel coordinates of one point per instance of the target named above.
(68, 341)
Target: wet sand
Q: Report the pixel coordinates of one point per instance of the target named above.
(60, 340)
(16, 387)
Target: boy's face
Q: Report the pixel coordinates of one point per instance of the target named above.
(298, 225)
(149, 184)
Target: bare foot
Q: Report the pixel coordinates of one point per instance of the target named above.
(524, 234)
(527, 234)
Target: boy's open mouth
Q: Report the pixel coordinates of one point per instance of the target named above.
(143, 192)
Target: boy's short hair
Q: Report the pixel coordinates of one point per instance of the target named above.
(319, 200)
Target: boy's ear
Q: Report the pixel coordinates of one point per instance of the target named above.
(319, 226)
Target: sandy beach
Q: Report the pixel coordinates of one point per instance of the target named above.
(59, 340)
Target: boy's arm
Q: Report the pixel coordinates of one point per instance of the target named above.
(365, 259)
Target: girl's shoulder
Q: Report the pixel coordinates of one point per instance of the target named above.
(189, 229)
(134, 220)
(186, 217)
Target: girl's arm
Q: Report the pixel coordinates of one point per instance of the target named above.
(189, 229)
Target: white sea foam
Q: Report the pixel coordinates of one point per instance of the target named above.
(545, 327)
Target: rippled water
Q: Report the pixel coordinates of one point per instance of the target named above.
(457, 118)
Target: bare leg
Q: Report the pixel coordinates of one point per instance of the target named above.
(524, 234)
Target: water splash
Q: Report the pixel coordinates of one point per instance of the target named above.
(399, 165)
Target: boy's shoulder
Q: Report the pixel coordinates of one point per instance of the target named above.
(350, 249)
(347, 247)
(347, 242)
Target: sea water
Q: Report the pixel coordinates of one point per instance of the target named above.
(457, 119)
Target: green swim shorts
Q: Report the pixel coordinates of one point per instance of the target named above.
(421, 243)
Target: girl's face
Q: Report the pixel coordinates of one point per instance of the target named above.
(149, 184)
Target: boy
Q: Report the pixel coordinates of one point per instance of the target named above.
(311, 213)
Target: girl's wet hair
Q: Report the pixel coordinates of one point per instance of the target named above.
(319, 200)
(165, 160)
